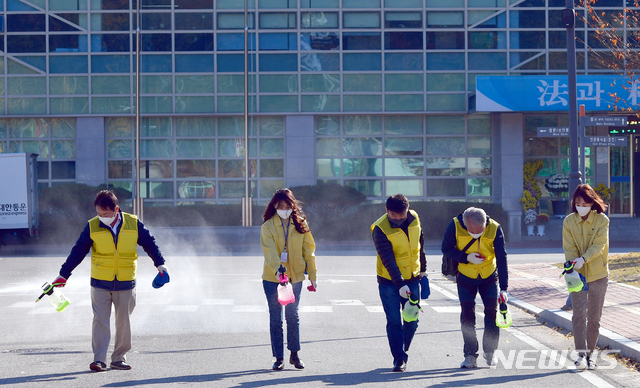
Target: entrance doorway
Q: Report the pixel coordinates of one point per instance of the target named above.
(623, 161)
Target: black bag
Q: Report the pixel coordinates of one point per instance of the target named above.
(450, 266)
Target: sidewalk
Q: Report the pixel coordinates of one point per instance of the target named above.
(538, 289)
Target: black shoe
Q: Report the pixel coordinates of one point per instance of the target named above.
(121, 365)
(400, 366)
(279, 364)
(98, 366)
(296, 361)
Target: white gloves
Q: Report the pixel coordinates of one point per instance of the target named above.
(404, 291)
(423, 275)
(504, 297)
(162, 268)
(475, 258)
(314, 284)
(578, 263)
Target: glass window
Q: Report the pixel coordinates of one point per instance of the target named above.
(277, 4)
(319, 62)
(403, 20)
(479, 146)
(498, 21)
(320, 103)
(67, 43)
(194, 42)
(403, 82)
(194, 21)
(362, 167)
(109, 22)
(234, 42)
(403, 3)
(67, 22)
(111, 105)
(154, 63)
(271, 168)
(445, 61)
(233, 20)
(156, 190)
(110, 64)
(279, 83)
(156, 148)
(68, 105)
(361, 41)
(362, 125)
(403, 167)
(278, 62)
(28, 128)
(235, 83)
(328, 147)
(487, 40)
(110, 85)
(404, 102)
(67, 5)
(446, 188)
(110, 43)
(403, 125)
(527, 19)
(194, 63)
(446, 102)
(193, 4)
(441, 4)
(487, 61)
(26, 22)
(404, 61)
(479, 166)
(277, 20)
(319, 41)
(196, 168)
(155, 42)
(445, 145)
(362, 146)
(489, 3)
(278, 103)
(527, 40)
(26, 85)
(195, 126)
(361, 20)
(319, 4)
(196, 148)
(195, 84)
(360, 3)
(68, 64)
(271, 147)
(450, 40)
(362, 82)
(278, 41)
(63, 149)
(327, 125)
(319, 19)
(26, 44)
(108, 5)
(68, 85)
(37, 147)
(479, 124)
(153, 21)
(403, 40)
(119, 169)
(403, 146)
(445, 19)
(200, 104)
(320, 82)
(445, 166)
(364, 62)
(479, 187)
(438, 82)
(409, 187)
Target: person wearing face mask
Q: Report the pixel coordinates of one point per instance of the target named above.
(585, 240)
(286, 243)
(476, 242)
(112, 237)
(401, 263)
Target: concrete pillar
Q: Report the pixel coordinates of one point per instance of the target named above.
(299, 146)
(91, 148)
(601, 160)
(511, 129)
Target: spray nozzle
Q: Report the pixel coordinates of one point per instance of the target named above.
(283, 276)
(568, 267)
(415, 302)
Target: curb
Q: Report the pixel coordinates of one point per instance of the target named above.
(557, 317)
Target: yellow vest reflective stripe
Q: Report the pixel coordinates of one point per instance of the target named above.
(485, 248)
(406, 250)
(107, 262)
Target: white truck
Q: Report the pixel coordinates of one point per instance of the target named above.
(19, 216)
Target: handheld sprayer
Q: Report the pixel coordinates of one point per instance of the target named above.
(411, 309)
(572, 277)
(57, 298)
(285, 291)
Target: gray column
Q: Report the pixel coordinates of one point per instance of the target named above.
(91, 158)
(601, 160)
(299, 146)
(511, 164)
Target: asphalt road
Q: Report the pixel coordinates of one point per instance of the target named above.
(209, 327)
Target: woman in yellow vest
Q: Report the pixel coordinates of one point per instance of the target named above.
(585, 240)
(476, 242)
(286, 242)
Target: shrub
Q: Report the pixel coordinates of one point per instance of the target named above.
(542, 219)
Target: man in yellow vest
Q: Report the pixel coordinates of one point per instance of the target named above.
(401, 263)
(112, 236)
(481, 266)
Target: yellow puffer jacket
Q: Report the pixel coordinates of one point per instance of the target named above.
(300, 248)
(588, 239)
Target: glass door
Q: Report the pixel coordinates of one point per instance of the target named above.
(620, 177)
(635, 143)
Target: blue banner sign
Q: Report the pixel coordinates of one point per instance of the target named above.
(551, 93)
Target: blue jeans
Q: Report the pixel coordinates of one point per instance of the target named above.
(399, 332)
(468, 288)
(275, 319)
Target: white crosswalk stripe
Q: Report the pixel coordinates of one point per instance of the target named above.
(346, 302)
(182, 308)
(315, 309)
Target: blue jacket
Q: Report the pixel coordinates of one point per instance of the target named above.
(84, 244)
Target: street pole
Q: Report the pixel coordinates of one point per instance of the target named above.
(137, 200)
(568, 22)
(583, 165)
(246, 201)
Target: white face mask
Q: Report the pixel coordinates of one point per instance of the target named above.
(107, 221)
(284, 213)
(476, 235)
(583, 210)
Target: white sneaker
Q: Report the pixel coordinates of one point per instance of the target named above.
(469, 362)
(591, 364)
(490, 358)
(581, 363)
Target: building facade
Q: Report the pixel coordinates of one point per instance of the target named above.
(371, 94)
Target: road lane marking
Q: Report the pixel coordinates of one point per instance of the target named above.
(218, 302)
(315, 309)
(346, 302)
(182, 308)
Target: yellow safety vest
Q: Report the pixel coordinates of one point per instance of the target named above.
(406, 250)
(109, 261)
(485, 248)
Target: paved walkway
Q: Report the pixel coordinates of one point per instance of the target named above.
(538, 289)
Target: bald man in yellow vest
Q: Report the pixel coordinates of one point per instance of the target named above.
(481, 266)
(401, 263)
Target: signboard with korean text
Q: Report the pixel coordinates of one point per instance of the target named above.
(550, 93)
(553, 131)
(605, 141)
(603, 121)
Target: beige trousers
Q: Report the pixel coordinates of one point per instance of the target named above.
(123, 302)
(587, 310)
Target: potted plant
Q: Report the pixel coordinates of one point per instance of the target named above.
(604, 192)
(530, 217)
(541, 221)
(558, 186)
